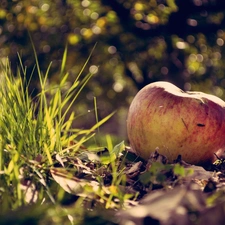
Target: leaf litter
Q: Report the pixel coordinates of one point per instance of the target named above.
(141, 192)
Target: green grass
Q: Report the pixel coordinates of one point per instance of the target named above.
(44, 161)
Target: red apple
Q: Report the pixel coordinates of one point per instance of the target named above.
(163, 117)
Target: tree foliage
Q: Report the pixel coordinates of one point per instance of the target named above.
(138, 42)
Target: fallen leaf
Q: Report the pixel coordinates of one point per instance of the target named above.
(199, 172)
(134, 168)
(169, 207)
(29, 190)
(59, 159)
(66, 180)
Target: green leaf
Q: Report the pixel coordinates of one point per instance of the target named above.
(179, 170)
(118, 148)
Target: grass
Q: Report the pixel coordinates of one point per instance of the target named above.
(44, 161)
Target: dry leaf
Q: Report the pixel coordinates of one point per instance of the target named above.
(66, 180)
(167, 207)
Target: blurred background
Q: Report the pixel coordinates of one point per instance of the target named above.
(138, 42)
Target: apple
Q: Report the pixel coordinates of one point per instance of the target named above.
(165, 118)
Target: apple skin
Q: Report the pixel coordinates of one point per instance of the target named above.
(163, 117)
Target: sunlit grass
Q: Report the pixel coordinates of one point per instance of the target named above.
(43, 157)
